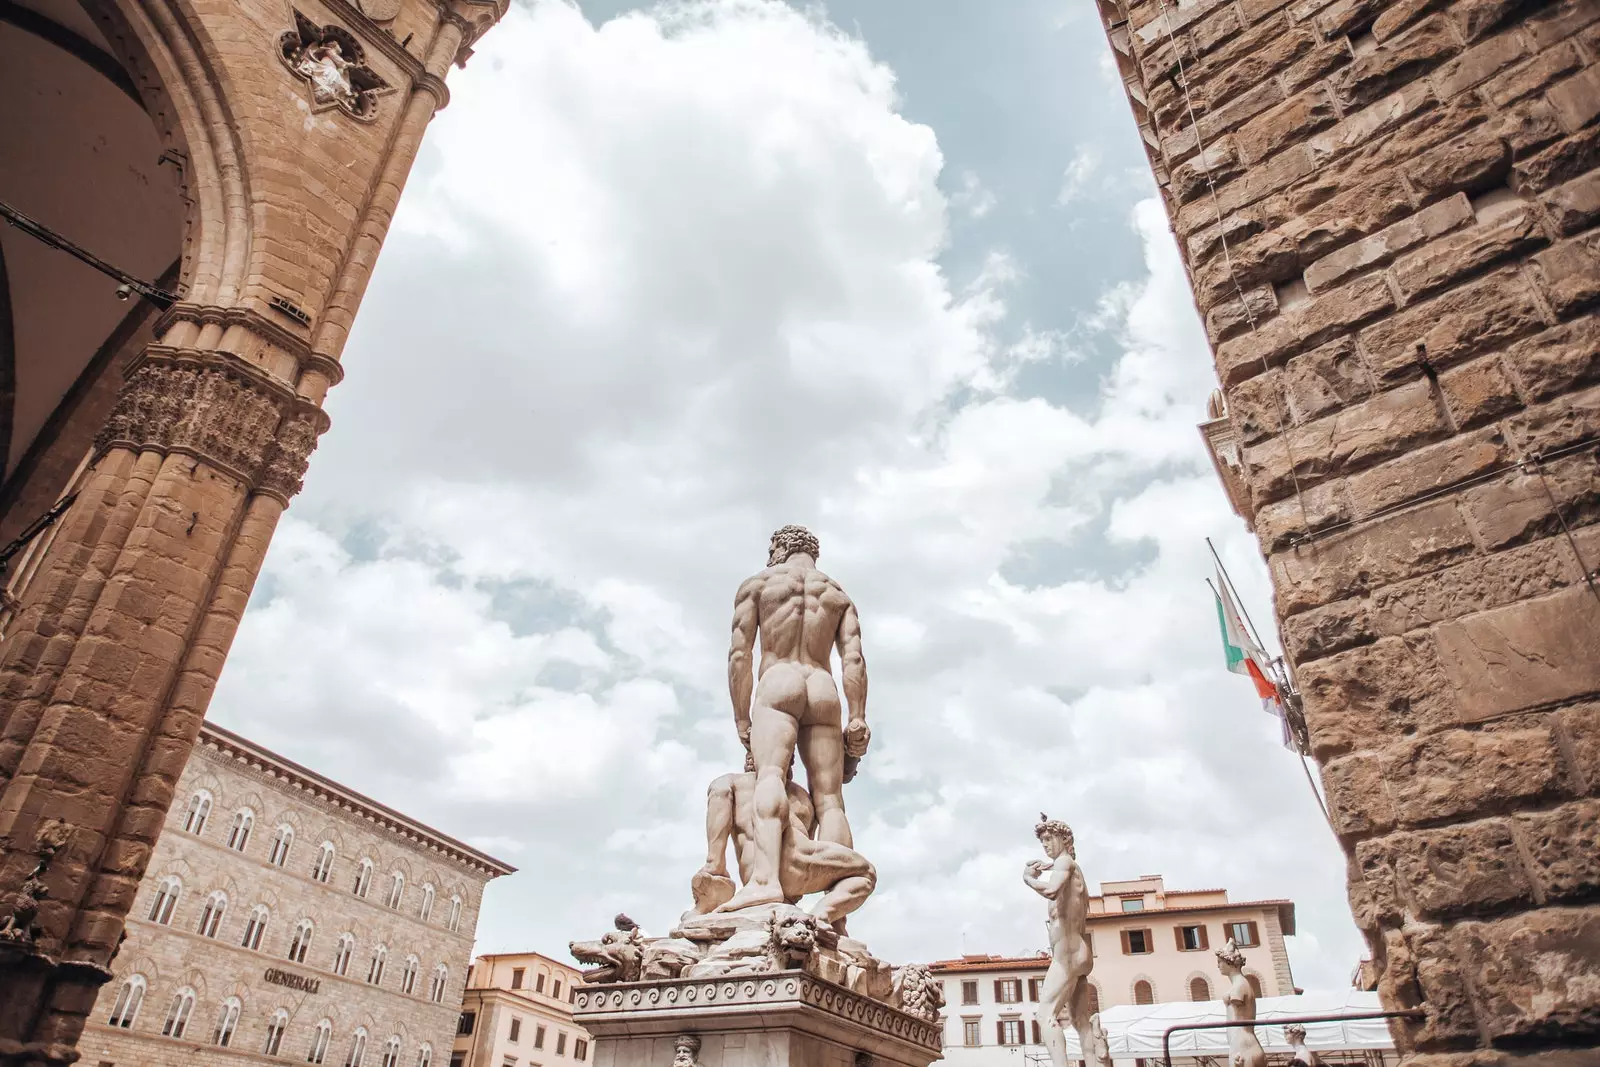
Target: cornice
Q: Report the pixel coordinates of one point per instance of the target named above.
(275, 333)
(332, 793)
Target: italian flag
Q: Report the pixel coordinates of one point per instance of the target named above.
(1245, 656)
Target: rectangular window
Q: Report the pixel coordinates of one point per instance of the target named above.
(1037, 1039)
(458, 1059)
(1007, 990)
(464, 1026)
(555, 988)
(561, 1043)
(516, 1030)
(538, 984)
(1033, 990)
(1135, 942)
(970, 1032)
(969, 992)
(1133, 903)
(538, 1034)
(1009, 1031)
(1192, 938)
(1244, 934)
(516, 977)
(580, 1049)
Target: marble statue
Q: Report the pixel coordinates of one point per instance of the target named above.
(790, 705)
(686, 1051)
(326, 68)
(1066, 989)
(807, 864)
(1299, 1055)
(918, 991)
(1243, 1048)
(1102, 1044)
(617, 956)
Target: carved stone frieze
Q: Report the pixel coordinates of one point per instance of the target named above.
(220, 409)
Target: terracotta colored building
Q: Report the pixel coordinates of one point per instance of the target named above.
(228, 170)
(517, 1012)
(1388, 216)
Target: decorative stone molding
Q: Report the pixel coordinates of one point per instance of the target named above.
(641, 1000)
(219, 409)
(333, 65)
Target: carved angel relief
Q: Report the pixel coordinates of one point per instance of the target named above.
(333, 63)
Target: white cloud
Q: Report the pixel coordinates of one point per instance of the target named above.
(973, 197)
(1082, 170)
(658, 287)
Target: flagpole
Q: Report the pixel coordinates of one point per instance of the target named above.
(1312, 782)
(1237, 600)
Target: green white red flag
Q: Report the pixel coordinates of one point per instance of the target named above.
(1248, 658)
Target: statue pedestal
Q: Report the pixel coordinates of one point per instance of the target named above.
(779, 1019)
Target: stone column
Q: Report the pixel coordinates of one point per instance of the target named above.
(107, 670)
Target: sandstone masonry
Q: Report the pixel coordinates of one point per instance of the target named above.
(1388, 215)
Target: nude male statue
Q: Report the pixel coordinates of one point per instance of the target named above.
(1066, 988)
(791, 704)
(841, 874)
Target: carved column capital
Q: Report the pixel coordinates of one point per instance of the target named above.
(218, 408)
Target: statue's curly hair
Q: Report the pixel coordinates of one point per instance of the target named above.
(789, 540)
(1047, 825)
(1231, 955)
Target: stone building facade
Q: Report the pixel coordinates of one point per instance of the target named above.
(517, 1012)
(229, 170)
(285, 917)
(1387, 211)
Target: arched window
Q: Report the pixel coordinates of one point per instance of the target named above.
(380, 956)
(1255, 984)
(363, 878)
(358, 1048)
(391, 1052)
(281, 845)
(441, 977)
(397, 889)
(319, 1041)
(425, 1056)
(408, 977)
(275, 1028)
(300, 943)
(1143, 993)
(1199, 989)
(194, 820)
(211, 918)
(341, 955)
(129, 999)
(1094, 998)
(455, 914)
(227, 1023)
(168, 890)
(426, 911)
(324, 865)
(178, 1014)
(238, 837)
(256, 927)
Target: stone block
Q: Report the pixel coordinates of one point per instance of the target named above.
(1437, 973)
(1362, 127)
(1426, 470)
(1569, 275)
(1432, 221)
(1532, 76)
(1579, 726)
(1477, 317)
(1374, 694)
(1460, 869)
(1323, 631)
(1537, 973)
(1476, 18)
(1396, 61)
(1266, 258)
(1563, 849)
(1561, 162)
(1558, 21)
(1575, 205)
(1451, 258)
(1559, 359)
(1568, 418)
(1398, 16)
(1272, 52)
(1524, 655)
(1323, 59)
(1474, 162)
(1576, 100)
(1374, 893)
(1229, 319)
(1256, 407)
(1321, 319)
(1457, 773)
(1217, 164)
(1358, 799)
(1325, 379)
(1478, 63)
(1284, 522)
(1357, 561)
(1293, 120)
(1522, 505)
(1344, 17)
(1479, 391)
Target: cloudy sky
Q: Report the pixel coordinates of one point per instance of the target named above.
(668, 277)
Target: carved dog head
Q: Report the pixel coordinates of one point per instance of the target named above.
(616, 957)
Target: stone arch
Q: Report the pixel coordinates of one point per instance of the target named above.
(1258, 985)
(1196, 981)
(1142, 990)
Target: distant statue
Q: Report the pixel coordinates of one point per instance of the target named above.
(791, 704)
(1102, 1045)
(1299, 1055)
(1066, 989)
(1243, 1048)
(807, 865)
(326, 68)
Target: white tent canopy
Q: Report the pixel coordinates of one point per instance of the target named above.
(1136, 1029)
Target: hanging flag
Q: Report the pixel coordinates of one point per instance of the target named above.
(1249, 659)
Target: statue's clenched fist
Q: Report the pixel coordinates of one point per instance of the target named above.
(857, 736)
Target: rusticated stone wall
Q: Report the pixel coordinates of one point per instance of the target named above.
(1388, 214)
